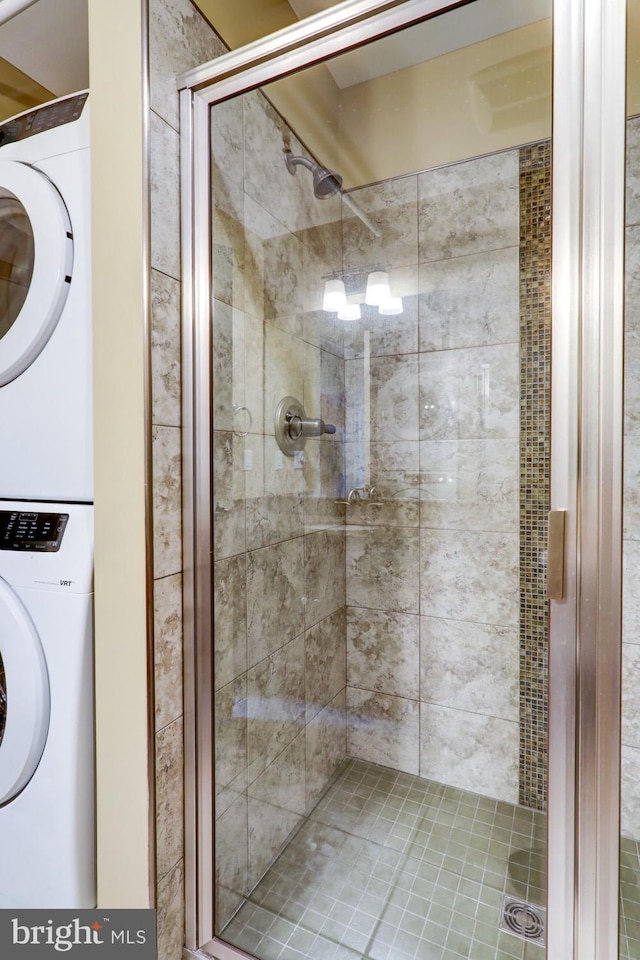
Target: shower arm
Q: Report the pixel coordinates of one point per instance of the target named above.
(292, 162)
(360, 213)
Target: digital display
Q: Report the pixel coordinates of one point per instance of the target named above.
(35, 532)
(42, 118)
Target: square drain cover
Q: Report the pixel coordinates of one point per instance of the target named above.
(524, 920)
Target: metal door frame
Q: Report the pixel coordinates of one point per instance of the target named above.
(587, 299)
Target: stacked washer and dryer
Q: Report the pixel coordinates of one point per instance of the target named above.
(46, 511)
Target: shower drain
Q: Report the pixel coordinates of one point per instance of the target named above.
(523, 919)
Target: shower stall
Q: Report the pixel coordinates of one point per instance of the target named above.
(406, 537)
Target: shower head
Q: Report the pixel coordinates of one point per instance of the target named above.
(325, 182)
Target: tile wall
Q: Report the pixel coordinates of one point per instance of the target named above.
(179, 38)
(432, 417)
(279, 543)
(631, 511)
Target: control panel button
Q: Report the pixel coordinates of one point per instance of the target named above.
(36, 532)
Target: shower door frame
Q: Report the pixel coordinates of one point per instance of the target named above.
(586, 449)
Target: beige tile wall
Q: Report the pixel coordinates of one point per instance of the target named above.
(432, 572)
(179, 38)
(631, 513)
(279, 546)
(279, 543)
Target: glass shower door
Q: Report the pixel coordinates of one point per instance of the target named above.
(380, 619)
(375, 333)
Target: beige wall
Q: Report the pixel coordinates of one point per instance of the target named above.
(246, 20)
(487, 97)
(18, 92)
(633, 59)
(120, 269)
(310, 102)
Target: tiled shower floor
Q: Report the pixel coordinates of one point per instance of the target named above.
(629, 900)
(392, 867)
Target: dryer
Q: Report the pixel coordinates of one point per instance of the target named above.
(46, 706)
(45, 306)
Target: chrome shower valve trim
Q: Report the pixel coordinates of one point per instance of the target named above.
(292, 427)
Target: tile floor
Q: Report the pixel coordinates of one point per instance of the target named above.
(629, 900)
(392, 867)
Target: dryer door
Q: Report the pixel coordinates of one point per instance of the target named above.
(25, 694)
(36, 258)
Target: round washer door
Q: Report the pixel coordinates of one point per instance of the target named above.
(27, 695)
(36, 258)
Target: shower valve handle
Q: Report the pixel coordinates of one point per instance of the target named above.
(292, 426)
(307, 427)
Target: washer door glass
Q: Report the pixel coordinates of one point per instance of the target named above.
(36, 261)
(3, 699)
(25, 711)
(16, 260)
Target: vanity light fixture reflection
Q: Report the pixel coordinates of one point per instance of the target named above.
(350, 311)
(390, 307)
(377, 288)
(371, 288)
(335, 298)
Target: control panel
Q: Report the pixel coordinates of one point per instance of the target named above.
(42, 118)
(35, 532)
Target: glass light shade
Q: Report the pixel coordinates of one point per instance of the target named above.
(391, 307)
(350, 311)
(334, 298)
(377, 288)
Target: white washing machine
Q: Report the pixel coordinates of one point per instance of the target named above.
(47, 818)
(45, 304)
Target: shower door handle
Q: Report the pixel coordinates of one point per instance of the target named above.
(555, 554)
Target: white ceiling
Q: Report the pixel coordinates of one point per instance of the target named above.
(451, 31)
(49, 42)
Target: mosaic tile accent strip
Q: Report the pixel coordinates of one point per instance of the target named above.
(535, 433)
